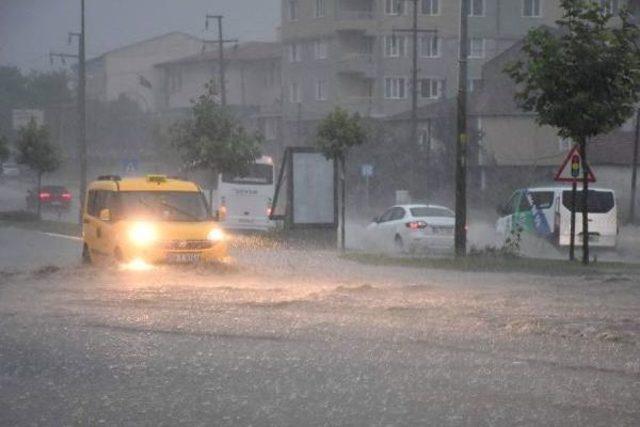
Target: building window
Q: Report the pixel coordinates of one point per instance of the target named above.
(474, 85)
(321, 90)
(394, 7)
(395, 87)
(320, 49)
(531, 8)
(295, 93)
(430, 47)
(320, 9)
(431, 88)
(430, 7)
(292, 9)
(424, 140)
(610, 6)
(475, 7)
(476, 48)
(295, 53)
(395, 47)
(175, 80)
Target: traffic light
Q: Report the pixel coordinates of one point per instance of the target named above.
(575, 166)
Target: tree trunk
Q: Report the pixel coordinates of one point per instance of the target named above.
(39, 201)
(585, 202)
(343, 202)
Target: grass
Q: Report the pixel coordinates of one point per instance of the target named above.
(497, 264)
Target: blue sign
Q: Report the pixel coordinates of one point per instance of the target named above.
(367, 170)
(130, 166)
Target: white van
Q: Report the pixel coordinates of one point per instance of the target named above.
(546, 211)
(244, 202)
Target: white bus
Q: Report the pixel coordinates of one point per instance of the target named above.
(244, 202)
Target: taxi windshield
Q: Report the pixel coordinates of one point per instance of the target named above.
(164, 205)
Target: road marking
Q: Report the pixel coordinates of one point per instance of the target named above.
(63, 236)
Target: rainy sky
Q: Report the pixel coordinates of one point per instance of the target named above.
(29, 29)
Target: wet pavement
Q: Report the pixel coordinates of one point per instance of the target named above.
(285, 337)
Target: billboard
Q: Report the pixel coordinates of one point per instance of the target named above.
(306, 192)
(21, 118)
(313, 189)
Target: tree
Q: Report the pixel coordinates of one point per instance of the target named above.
(4, 149)
(35, 151)
(583, 79)
(337, 134)
(212, 139)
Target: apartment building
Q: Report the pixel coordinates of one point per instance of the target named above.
(350, 53)
(252, 81)
(130, 70)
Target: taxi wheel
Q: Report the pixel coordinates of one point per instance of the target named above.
(86, 255)
(118, 255)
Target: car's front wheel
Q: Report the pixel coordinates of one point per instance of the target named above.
(86, 255)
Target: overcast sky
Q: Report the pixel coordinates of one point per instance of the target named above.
(29, 29)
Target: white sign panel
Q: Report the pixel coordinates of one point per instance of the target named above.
(21, 118)
(313, 189)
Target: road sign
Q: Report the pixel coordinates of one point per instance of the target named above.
(572, 168)
(130, 166)
(367, 170)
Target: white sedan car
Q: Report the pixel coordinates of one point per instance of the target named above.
(409, 228)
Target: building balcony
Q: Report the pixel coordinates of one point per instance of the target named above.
(354, 20)
(357, 63)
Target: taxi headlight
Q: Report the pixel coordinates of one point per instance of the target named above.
(215, 235)
(143, 234)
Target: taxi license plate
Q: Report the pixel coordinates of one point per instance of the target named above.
(183, 258)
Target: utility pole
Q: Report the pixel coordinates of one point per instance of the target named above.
(462, 137)
(634, 170)
(82, 148)
(221, 60)
(414, 68)
(82, 110)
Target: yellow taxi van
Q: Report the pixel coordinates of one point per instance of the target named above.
(152, 219)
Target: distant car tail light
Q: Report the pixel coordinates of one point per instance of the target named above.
(416, 225)
(45, 196)
(66, 196)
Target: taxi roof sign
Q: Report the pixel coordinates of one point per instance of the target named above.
(158, 179)
(572, 168)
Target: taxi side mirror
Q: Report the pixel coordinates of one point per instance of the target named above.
(105, 215)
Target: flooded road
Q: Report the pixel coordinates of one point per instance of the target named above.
(279, 336)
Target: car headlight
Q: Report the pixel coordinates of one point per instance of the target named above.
(143, 234)
(215, 235)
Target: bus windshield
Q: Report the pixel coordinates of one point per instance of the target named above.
(257, 174)
(163, 205)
